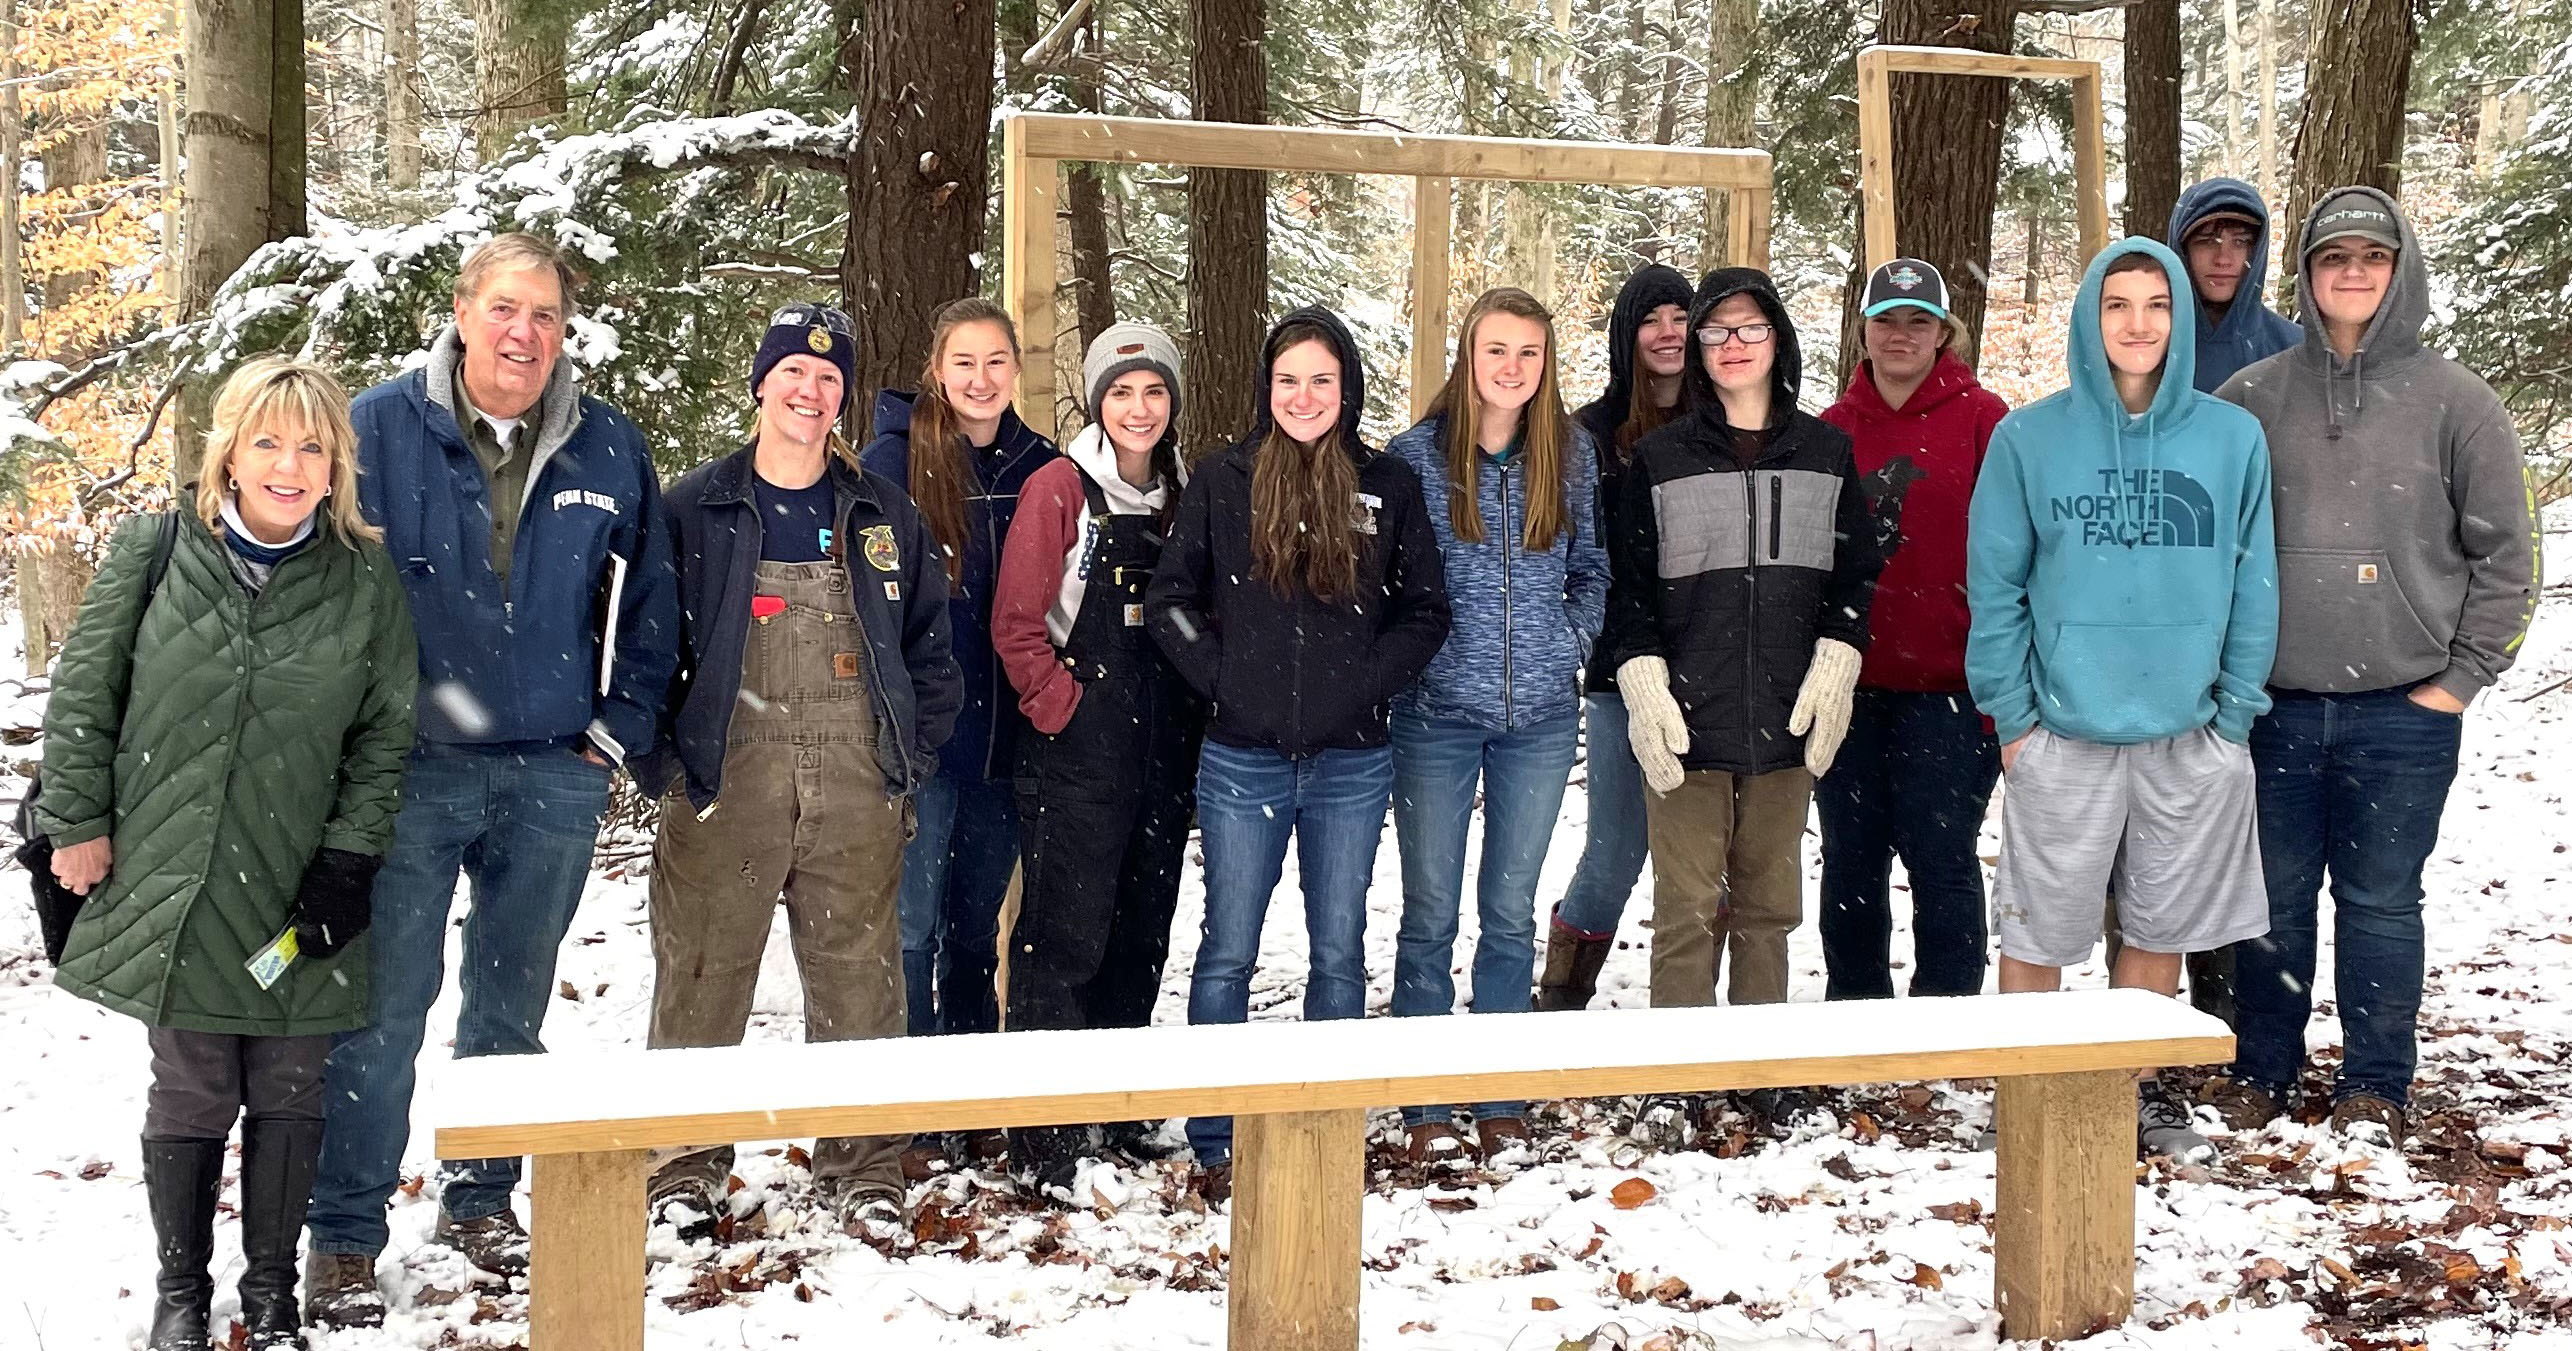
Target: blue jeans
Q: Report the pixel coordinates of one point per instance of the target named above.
(1437, 765)
(1619, 838)
(1249, 804)
(1913, 778)
(520, 829)
(2351, 785)
(955, 874)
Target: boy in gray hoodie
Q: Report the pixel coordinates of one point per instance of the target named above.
(2407, 574)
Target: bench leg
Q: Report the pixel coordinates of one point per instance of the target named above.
(585, 1283)
(2063, 1232)
(1298, 1180)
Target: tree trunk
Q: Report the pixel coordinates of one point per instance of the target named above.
(50, 584)
(1085, 201)
(2232, 86)
(2354, 87)
(2151, 116)
(1732, 107)
(402, 94)
(13, 153)
(78, 158)
(2268, 101)
(519, 50)
(1227, 230)
(916, 199)
(1946, 144)
(245, 136)
(1630, 81)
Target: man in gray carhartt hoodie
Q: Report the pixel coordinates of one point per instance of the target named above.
(2407, 571)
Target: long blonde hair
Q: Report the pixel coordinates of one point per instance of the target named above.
(1303, 498)
(939, 472)
(274, 391)
(1543, 429)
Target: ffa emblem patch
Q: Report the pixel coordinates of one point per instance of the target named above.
(880, 552)
(1905, 277)
(1368, 504)
(820, 339)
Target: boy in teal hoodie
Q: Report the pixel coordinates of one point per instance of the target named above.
(2123, 583)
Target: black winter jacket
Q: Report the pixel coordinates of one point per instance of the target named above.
(1652, 286)
(1293, 674)
(1730, 573)
(895, 580)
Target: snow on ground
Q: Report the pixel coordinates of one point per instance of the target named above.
(1864, 1228)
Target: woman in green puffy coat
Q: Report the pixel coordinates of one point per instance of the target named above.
(223, 761)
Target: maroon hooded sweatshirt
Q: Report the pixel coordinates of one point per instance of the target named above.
(1918, 465)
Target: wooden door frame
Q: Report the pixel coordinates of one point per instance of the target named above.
(1876, 67)
(1034, 146)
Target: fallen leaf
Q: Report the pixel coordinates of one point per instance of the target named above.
(1670, 1290)
(1865, 1128)
(1419, 1325)
(2463, 1269)
(1543, 1305)
(95, 1169)
(2339, 1273)
(2266, 1269)
(411, 1185)
(798, 1156)
(1959, 1212)
(1925, 1276)
(569, 991)
(1632, 1192)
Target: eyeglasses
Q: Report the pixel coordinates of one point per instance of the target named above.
(1752, 335)
(804, 314)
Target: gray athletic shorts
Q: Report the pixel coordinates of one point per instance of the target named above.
(2175, 824)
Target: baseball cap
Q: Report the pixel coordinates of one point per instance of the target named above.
(2346, 213)
(1906, 281)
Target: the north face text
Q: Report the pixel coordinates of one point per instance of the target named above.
(2144, 508)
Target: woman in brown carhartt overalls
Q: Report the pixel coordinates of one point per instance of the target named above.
(813, 583)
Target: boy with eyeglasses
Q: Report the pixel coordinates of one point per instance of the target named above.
(2220, 230)
(1745, 560)
(2408, 561)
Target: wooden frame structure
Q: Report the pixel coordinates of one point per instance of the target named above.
(2063, 1226)
(1878, 65)
(1035, 145)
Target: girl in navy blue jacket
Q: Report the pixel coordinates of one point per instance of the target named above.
(960, 450)
(1508, 478)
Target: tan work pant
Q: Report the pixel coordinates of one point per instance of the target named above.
(1727, 870)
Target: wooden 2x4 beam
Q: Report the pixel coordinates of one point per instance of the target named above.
(1876, 68)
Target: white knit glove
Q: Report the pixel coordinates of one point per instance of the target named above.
(1652, 721)
(1822, 706)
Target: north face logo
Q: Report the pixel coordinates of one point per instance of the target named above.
(2143, 508)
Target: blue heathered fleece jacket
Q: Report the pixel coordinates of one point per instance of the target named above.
(2248, 330)
(2120, 569)
(1524, 622)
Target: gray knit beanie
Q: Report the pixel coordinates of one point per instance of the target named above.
(1122, 349)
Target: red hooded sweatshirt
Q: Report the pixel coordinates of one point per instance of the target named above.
(1918, 465)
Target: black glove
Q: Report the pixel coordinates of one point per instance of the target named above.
(336, 901)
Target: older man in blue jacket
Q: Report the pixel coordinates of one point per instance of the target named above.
(526, 520)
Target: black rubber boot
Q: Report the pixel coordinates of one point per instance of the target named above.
(278, 1158)
(181, 1180)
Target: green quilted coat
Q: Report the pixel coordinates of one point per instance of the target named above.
(224, 742)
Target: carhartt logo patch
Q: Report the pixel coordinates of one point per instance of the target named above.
(2369, 574)
(893, 591)
(843, 666)
(1133, 616)
(1130, 349)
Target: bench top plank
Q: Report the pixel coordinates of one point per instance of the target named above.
(575, 1102)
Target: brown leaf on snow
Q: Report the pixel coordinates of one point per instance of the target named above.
(411, 1185)
(2339, 1272)
(1632, 1192)
(1864, 1127)
(1543, 1305)
(1670, 1290)
(1419, 1325)
(799, 1156)
(568, 991)
(2266, 1269)
(1625, 1285)
(1925, 1276)
(2462, 1269)
(95, 1169)
(1967, 1211)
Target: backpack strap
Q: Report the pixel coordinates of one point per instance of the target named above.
(167, 540)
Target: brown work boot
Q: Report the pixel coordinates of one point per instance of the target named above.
(2362, 1115)
(495, 1243)
(986, 1146)
(339, 1291)
(1501, 1134)
(925, 1159)
(1214, 1182)
(1435, 1144)
(2244, 1106)
(1572, 961)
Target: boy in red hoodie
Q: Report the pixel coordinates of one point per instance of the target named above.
(1917, 770)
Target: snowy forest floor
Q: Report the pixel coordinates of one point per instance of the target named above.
(1868, 1229)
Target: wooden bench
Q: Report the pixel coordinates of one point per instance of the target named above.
(2063, 1225)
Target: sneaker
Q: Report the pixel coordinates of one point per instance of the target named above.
(339, 1291)
(1666, 1121)
(494, 1243)
(2244, 1106)
(1435, 1144)
(2164, 1129)
(2371, 1117)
